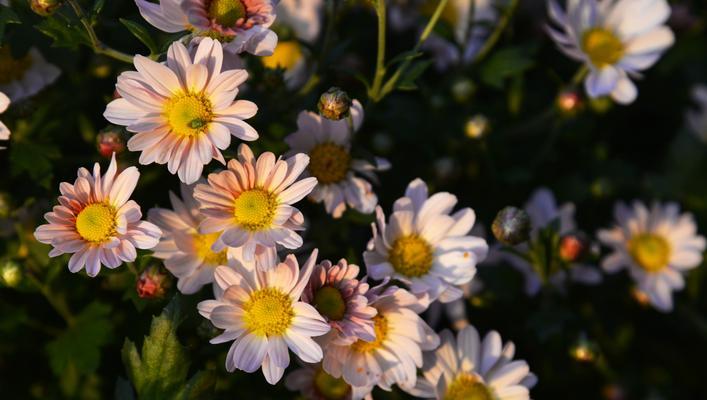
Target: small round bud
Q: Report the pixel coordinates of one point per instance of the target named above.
(152, 283)
(110, 140)
(511, 226)
(45, 8)
(573, 247)
(463, 89)
(476, 127)
(10, 274)
(334, 104)
(569, 102)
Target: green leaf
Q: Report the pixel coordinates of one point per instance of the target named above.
(63, 31)
(33, 158)
(7, 16)
(507, 63)
(141, 33)
(406, 55)
(407, 82)
(98, 7)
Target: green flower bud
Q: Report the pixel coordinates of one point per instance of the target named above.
(334, 104)
(511, 226)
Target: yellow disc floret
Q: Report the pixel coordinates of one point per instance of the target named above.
(602, 47)
(411, 256)
(268, 312)
(329, 163)
(96, 223)
(651, 252)
(227, 12)
(202, 247)
(286, 55)
(330, 388)
(12, 69)
(188, 114)
(468, 387)
(254, 209)
(381, 328)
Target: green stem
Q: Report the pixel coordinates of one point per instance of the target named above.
(98, 46)
(579, 75)
(374, 91)
(390, 84)
(496, 35)
(58, 303)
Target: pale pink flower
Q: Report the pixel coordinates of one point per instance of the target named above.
(4, 104)
(183, 111)
(96, 221)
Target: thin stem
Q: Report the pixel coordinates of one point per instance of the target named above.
(58, 303)
(98, 46)
(496, 35)
(380, 58)
(390, 84)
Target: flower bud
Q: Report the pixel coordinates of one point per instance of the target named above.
(569, 102)
(152, 283)
(10, 274)
(573, 247)
(476, 127)
(334, 104)
(511, 226)
(110, 140)
(45, 8)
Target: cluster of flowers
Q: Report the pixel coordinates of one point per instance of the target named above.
(230, 229)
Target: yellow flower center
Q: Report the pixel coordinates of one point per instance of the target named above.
(268, 312)
(468, 387)
(96, 223)
(329, 163)
(330, 303)
(202, 247)
(254, 209)
(227, 12)
(380, 326)
(330, 388)
(12, 69)
(286, 55)
(650, 251)
(602, 47)
(411, 256)
(188, 114)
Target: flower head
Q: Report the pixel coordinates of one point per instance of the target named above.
(4, 104)
(302, 16)
(656, 245)
(336, 293)
(328, 144)
(424, 246)
(183, 113)
(261, 312)
(250, 203)
(315, 384)
(26, 76)
(96, 222)
(467, 368)
(614, 39)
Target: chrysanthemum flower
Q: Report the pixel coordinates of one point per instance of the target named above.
(183, 112)
(424, 246)
(392, 358)
(469, 368)
(328, 144)
(697, 118)
(543, 211)
(302, 16)
(262, 313)
(4, 104)
(251, 202)
(657, 246)
(289, 56)
(614, 39)
(241, 25)
(96, 221)
(315, 384)
(24, 77)
(187, 254)
(336, 293)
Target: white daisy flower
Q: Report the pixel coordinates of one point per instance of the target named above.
(250, 203)
(97, 222)
(4, 130)
(186, 252)
(26, 76)
(697, 118)
(615, 39)
(314, 383)
(543, 211)
(261, 312)
(241, 25)
(328, 144)
(184, 112)
(424, 246)
(468, 368)
(657, 246)
(289, 56)
(302, 16)
(396, 353)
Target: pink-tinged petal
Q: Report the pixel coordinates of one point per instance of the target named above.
(219, 135)
(226, 336)
(122, 112)
(210, 54)
(227, 81)
(78, 260)
(197, 76)
(178, 59)
(241, 109)
(250, 352)
(304, 275)
(206, 307)
(159, 76)
(238, 128)
(271, 371)
(304, 347)
(278, 353)
(601, 82)
(227, 317)
(123, 186)
(235, 237)
(298, 190)
(93, 262)
(154, 14)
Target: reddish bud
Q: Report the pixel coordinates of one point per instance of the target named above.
(152, 283)
(572, 247)
(110, 140)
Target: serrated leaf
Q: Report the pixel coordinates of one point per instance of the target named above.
(506, 63)
(63, 32)
(141, 33)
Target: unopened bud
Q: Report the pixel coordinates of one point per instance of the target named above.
(45, 8)
(476, 127)
(569, 102)
(511, 226)
(152, 283)
(10, 274)
(573, 247)
(334, 104)
(110, 140)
